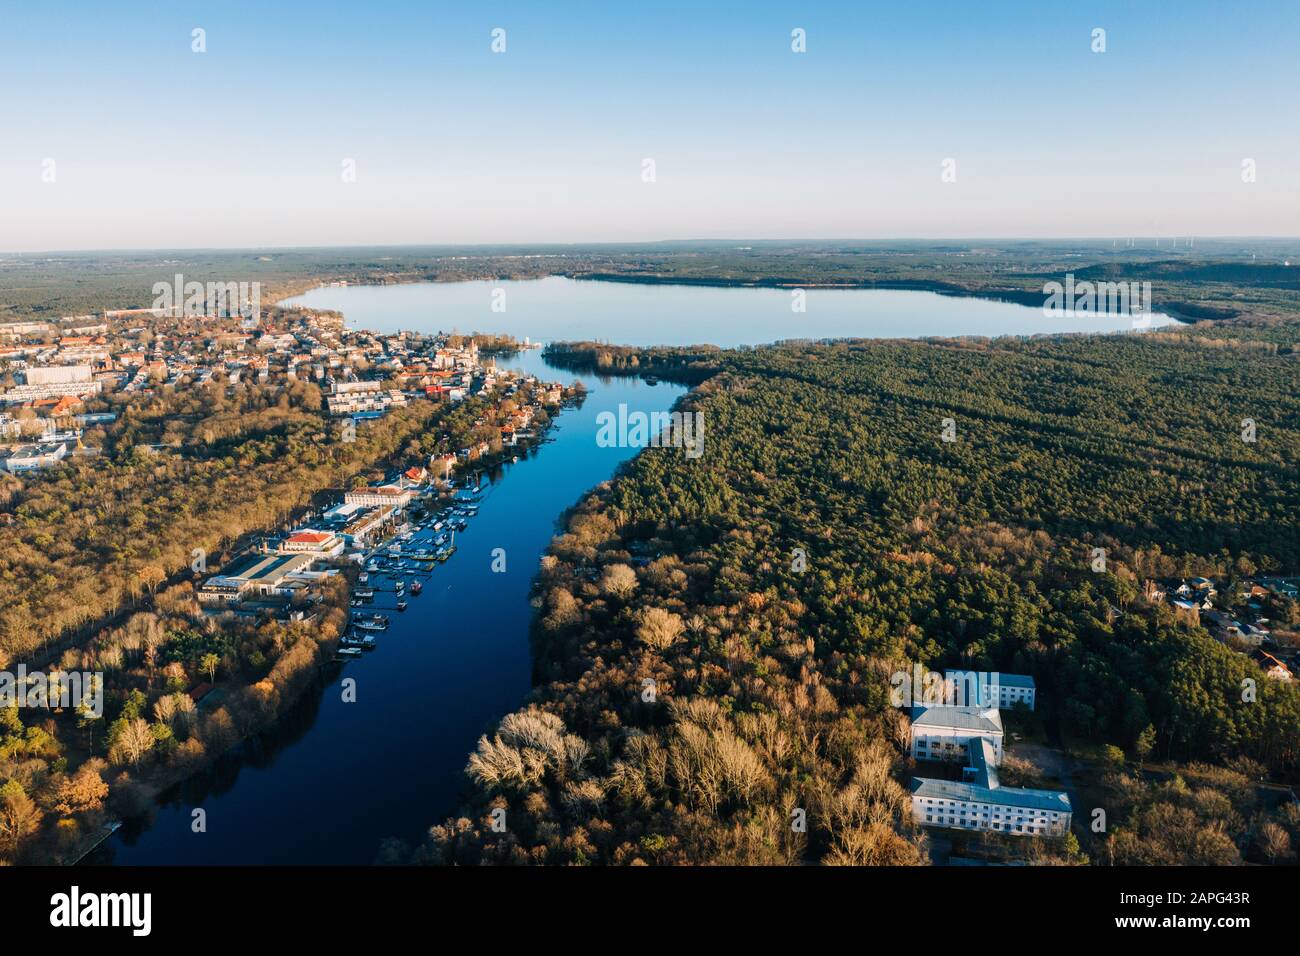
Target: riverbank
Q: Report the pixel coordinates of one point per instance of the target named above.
(446, 668)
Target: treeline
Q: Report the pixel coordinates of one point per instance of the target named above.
(689, 365)
(714, 637)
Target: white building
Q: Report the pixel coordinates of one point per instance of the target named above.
(19, 329)
(31, 393)
(33, 457)
(264, 575)
(985, 689)
(383, 496)
(320, 543)
(979, 802)
(57, 374)
(354, 402)
(945, 732)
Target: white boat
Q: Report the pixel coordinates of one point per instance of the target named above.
(349, 652)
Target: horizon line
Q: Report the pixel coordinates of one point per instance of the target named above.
(587, 244)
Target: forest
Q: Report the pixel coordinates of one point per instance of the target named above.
(714, 637)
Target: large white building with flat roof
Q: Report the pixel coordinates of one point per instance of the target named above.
(57, 374)
(980, 802)
(33, 457)
(381, 496)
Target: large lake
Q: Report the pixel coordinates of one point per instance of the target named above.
(334, 779)
(641, 314)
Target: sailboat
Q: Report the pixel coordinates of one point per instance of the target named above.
(449, 549)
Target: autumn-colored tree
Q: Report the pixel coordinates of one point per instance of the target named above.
(619, 580)
(20, 817)
(82, 791)
(150, 576)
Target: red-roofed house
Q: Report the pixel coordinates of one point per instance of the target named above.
(1273, 667)
(322, 543)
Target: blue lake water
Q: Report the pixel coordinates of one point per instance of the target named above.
(638, 314)
(334, 779)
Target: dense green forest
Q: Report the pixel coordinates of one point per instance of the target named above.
(714, 637)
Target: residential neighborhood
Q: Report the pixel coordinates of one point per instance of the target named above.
(1255, 615)
(60, 379)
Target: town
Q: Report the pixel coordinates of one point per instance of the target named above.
(61, 380)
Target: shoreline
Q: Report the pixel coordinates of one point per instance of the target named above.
(1023, 297)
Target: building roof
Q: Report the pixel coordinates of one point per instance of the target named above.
(384, 491)
(983, 765)
(1056, 800)
(309, 537)
(993, 678)
(268, 569)
(978, 720)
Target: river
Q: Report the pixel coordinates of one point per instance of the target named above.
(335, 778)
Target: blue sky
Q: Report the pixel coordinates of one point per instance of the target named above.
(154, 145)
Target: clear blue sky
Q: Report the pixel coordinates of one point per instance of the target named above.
(157, 146)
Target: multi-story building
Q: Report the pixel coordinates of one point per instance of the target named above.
(357, 401)
(33, 457)
(308, 540)
(985, 689)
(384, 495)
(35, 393)
(19, 329)
(979, 802)
(56, 374)
(945, 732)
